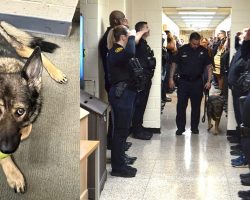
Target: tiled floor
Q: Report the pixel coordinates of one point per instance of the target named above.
(187, 167)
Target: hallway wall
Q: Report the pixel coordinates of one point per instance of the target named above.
(150, 11)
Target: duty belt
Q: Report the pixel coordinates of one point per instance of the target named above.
(245, 131)
(189, 78)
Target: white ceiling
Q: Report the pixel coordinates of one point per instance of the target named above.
(197, 18)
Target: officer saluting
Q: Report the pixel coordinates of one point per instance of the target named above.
(192, 59)
(147, 60)
(122, 95)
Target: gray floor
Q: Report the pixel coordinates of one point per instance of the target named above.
(49, 157)
(170, 167)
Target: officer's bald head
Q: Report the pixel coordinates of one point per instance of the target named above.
(116, 18)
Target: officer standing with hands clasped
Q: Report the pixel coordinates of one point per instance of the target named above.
(122, 94)
(147, 60)
(191, 59)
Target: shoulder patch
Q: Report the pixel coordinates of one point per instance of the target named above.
(119, 49)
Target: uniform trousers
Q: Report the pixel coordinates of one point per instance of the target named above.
(122, 112)
(193, 90)
(140, 106)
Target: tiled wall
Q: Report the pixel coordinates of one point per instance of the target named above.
(150, 11)
(95, 22)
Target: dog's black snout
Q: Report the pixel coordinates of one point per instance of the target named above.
(9, 145)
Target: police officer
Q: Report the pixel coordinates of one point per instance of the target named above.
(116, 17)
(122, 96)
(147, 60)
(192, 59)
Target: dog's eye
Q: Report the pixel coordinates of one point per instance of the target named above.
(20, 112)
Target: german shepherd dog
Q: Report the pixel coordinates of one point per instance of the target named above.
(21, 64)
(214, 111)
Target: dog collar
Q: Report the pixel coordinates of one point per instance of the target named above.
(3, 155)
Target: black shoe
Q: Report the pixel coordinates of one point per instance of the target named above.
(126, 172)
(129, 144)
(242, 176)
(126, 147)
(142, 135)
(149, 130)
(244, 194)
(195, 131)
(233, 139)
(128, 161)
(130, 157)
(236, 147)
(179, 132)
(236, 152)
(245, 181)
(167, 99)
(132, 168)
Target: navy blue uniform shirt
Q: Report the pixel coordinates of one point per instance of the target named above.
(118, 62)
(192, 62)
(143, 51)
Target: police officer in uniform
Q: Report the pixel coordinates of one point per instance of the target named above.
(147, 60)
(116, 17)
(192, 59)
(122, 96)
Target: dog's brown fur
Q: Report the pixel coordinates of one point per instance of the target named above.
(20, 41)
(214, 111)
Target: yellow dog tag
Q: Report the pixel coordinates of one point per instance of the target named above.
(3, 155)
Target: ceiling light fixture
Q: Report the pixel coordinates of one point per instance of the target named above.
(197, 17)
(196, 13)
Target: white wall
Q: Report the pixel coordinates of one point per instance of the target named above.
(95, 14)
(224, 25)
(170, 25)
(150, 11)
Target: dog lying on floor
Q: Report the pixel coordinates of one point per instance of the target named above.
(214, 111)
(21, 64)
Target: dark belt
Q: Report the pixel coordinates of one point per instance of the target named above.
(190, 78)
(245, 131)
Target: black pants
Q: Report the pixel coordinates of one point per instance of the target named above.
(140, 107)
(236, 106)
(192, 90)
(122, 113)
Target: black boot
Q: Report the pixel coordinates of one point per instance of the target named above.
(244, 194)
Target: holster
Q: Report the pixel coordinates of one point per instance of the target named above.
(119, 88)
(245, 131)
(138, 74)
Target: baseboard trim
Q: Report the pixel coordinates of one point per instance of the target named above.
(154, 130)
(39, 25)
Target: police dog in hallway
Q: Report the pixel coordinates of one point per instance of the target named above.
(214, 111)
(21, 64)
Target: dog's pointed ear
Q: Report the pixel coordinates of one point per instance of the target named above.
(33, 66)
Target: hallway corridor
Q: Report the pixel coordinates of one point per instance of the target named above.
(187, 167)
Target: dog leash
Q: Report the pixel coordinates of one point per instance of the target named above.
(206, 92)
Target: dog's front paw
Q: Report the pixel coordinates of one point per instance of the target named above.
(14, 177)
(58, 76)
(16, 181)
